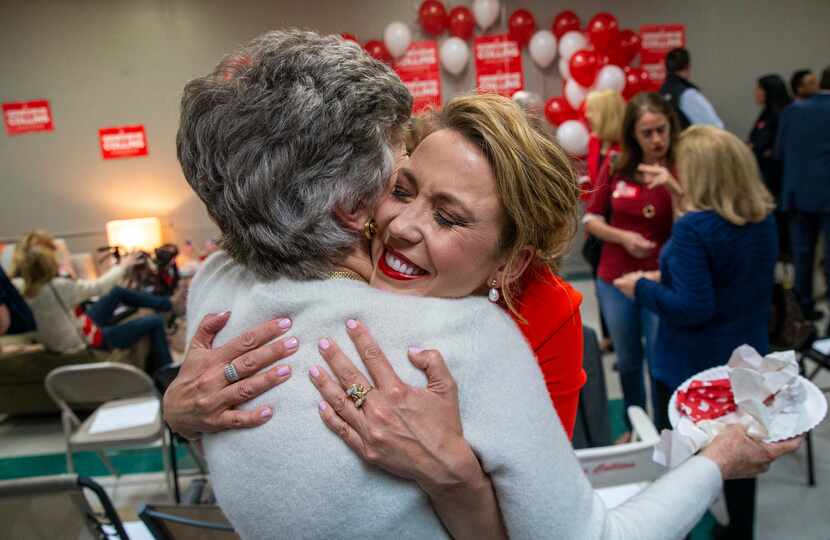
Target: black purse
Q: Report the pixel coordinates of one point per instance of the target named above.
(592, 247)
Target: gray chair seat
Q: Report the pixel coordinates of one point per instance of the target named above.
(120, 438)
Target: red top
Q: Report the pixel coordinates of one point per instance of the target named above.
(634, 207)
(554, 331)
(596, 159)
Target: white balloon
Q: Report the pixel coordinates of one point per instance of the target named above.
(575, 93)
(486, 12)
(610, 77)
(529, 101)
(564, 68)
(570, 43)
(397, 38)
(454, 55)
(542, 48)
(573, 137)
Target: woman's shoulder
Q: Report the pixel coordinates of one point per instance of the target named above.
(546, 303)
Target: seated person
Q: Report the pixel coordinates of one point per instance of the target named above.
(64, 326)
(15, 315)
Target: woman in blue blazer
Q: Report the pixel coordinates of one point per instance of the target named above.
(714, 289)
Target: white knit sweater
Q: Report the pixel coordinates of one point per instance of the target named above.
(58, 330)
(292, 478)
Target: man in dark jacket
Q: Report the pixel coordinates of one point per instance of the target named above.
(803, 145)
(691, 105)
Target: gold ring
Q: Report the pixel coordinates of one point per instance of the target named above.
(357, 393)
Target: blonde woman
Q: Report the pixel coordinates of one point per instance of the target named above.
(64, 325)
(716, 277)
(604, 110)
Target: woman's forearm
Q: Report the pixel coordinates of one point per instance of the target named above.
(467, 504)
(605, 232)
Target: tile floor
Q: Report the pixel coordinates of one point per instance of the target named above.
(787, 507)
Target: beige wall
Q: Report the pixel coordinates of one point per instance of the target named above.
(104, 63)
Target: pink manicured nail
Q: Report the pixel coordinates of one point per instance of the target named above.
(415, 350)
(324, 344)
(291, 343)
(224, 313)
(352, 324)
(284, 323)
(323, 406)
(283, 371)
(266, 413)
(314, 372)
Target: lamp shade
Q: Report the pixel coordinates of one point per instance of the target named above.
(131, 234)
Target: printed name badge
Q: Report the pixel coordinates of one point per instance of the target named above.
(624, 190)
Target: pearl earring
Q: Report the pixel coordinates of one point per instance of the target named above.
(493, 295)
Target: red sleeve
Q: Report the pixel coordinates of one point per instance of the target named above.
(554, 330)
(601, 198)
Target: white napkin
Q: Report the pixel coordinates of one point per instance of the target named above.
(769, 400)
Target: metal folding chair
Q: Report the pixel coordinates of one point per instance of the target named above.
(186, 522)
(114, 385)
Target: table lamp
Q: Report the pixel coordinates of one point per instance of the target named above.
(142, 233)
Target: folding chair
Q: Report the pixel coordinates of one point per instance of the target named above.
(822, 361)
(630, 465)
(185, 522)
(55, 507)
(115, 385)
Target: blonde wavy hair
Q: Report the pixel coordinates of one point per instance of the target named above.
(606, 109)
(31, 239)
(534, 177)
(38, 266)
(719, 173)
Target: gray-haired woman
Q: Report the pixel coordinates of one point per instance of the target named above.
(295, 106)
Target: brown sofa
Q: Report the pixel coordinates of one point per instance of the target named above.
(24, 365)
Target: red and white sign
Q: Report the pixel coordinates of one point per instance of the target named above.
(656, 41)
(124, 141)
(27, 116)
(420, 72)
(498, 65)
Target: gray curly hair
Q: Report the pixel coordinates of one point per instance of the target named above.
(285, 130)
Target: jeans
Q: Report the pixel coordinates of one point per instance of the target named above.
(127, 333)
(805, 228)
(630, 324)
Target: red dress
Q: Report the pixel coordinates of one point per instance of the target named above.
(554, 331)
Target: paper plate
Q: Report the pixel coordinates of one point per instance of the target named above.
(815, 404)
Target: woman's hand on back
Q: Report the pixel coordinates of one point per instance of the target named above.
(201, 400)
(411, 432)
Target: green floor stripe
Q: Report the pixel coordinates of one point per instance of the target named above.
(133, 461)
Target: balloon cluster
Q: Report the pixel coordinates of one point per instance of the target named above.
(596, 58)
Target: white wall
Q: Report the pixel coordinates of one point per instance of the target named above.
(104, 63)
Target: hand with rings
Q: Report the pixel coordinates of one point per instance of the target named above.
(211, 382)
(411, 432)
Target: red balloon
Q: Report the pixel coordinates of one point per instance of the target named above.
(558, 111)
(433, 17)
(603, 59)
(521, 26)
(378, 50)
(462, 22)
(564, 23)
(625, 49)
(584, 66)
(602, 31)
(636, 81)
(348, 36)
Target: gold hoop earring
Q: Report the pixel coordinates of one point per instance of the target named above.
(370, 229)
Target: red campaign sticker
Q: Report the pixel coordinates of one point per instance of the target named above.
(498, 65)
(419, 71)
(624, 190)
(124, 141)
(27, 116)
(656, 41)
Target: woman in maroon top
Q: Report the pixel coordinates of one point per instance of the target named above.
(632, 212)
